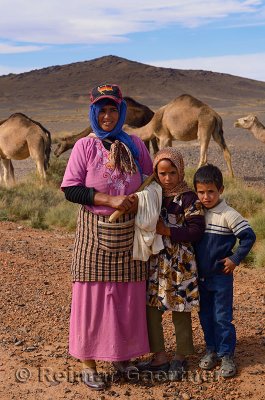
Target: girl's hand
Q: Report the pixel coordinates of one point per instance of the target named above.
(162, 229)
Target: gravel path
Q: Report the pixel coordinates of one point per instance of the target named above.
(35, 301)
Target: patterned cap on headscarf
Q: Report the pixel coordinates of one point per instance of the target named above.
(173, 155)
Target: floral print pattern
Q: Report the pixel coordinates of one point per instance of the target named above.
(173, 281)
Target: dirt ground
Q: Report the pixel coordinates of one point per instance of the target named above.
(35, 302)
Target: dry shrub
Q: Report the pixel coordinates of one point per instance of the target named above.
(63, 215)
(259, 255)
(258, 224)
(45, 206)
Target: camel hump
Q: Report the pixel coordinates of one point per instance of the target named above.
(27, 121)
(190, 100)
(46, 135)
(137, 114)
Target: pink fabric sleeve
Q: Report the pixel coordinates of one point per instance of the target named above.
(76, 169)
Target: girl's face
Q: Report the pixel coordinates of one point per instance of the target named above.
(108, 117)
(167, 174)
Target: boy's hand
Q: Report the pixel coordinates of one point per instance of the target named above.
(229, 266)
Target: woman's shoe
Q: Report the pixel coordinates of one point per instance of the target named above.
(125, 370)
(147, 366)
(93, 380)
(209, 361)
(121, 366)
(177, 370)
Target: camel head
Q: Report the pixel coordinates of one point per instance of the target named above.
(246, 122)
(61, 147)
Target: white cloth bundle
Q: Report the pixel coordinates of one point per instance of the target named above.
(146, 240)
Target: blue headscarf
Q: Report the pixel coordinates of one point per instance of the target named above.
(117, 133)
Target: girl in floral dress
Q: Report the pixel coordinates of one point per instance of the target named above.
(172, 284)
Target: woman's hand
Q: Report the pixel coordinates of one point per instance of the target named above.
(133, 198)
(127, 204)
(122, 203)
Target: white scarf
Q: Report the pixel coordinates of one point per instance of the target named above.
(146, 240)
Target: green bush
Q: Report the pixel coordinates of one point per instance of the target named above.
(246, 201)
(31, 201)
(56, 170)
(259, 258)
(258, 224)
(63, 215)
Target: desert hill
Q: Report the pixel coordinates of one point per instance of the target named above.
(67, 86)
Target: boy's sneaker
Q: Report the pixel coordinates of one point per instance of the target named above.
(209, 361)
(228, 367)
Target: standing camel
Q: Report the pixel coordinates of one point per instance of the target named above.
(252, 123)
(186, 118)
(20, 138)
(137, 115)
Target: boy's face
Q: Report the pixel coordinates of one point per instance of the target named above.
(208, 194)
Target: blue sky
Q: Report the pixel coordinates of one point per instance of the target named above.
(215, 35)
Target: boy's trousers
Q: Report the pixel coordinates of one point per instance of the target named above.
(183, 331)
(216, 313)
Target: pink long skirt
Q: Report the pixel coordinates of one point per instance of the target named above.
(108, 321)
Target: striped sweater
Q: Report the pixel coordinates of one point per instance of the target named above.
(224, 226)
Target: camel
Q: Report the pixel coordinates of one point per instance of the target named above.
(186, 118)
(20, 138)
(68, 142)
(137, 115)
(252, 123)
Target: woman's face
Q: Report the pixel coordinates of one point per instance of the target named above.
(108, 117)
(167, 174)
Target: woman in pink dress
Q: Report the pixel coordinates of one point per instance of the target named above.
(108, 320)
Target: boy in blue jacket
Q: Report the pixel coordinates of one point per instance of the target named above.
(216, 262)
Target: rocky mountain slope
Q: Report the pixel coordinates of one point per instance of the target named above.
(68, 85)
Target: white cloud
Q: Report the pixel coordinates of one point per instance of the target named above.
(83, 21)
(11, 49)
(245, 65)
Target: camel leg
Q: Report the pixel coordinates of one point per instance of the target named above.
(37, 153)
(41, 170)
(219, 139)
(165, 141)
(227, 157)
(155, 145)
(204, 143)
(8, 172)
